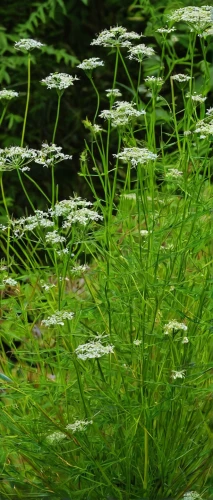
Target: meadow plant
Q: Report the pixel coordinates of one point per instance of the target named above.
(106, 316)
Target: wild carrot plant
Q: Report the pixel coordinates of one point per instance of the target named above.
(106, 332)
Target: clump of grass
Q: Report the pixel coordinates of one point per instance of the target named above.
(106, 306)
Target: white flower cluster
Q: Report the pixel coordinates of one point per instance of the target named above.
(116, 37)
(174, 326)
(16, 157)
(94, 349)
(180, 374)
(10, 282)
(137, 342)
(154, 81)
(78, 426)
(204, 128)
(196, 97)
(198, 18)
(140, 51)
(192, 495)
(144, 232)
(90, 64)
(50, 154)
(121, 113)
(209, 112)
(113, 93)
(40, 219)
(80, 269)
(165, 30)
(58, 318)
(60, 81)
(180, 77)
(83, 216)
(208, 32)
(64, 207)
(53, 237)
(136, 155)
(8, 94)
(28, 44)
(174, 173)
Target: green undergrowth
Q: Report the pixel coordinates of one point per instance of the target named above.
(106, 306)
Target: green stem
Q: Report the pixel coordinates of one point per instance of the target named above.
(57, 117)
(174, 116)
(27, 101)
(98, 98)
(3, 114)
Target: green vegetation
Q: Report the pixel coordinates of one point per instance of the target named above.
(106, 305)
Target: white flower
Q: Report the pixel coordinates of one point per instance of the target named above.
(174, 173)
(181, 78)
(185, 340)
(64, 251)
(128, 196)
(144, 232)
(187, 132)
(90, 64)
(204, 128)
(208, 32)
(8, 94)
(50, 154)
(196, 97)
(53, 237)
(10, 282)
(136, 155)
(180, 374)
(58, 318)
(64, 207)
(60, 81)
(121, 114)
(115, 37)
(174, 326)
(209, 112)
(192, 495)
(83, 216)
(79, 425)
(165, 30)
(40, 219)
(93, 349)
(197, 17)
(113, 93)
(154, 81)
(80, 269)
(28, 44)
(140, 51)
(16, 157)
(56, 437)
(47, 287)
(137, 342)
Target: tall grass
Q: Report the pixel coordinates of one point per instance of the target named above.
(106, 336)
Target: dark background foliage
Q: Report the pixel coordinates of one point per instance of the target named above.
(67, 28)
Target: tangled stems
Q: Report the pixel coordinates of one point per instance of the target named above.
(27, 101)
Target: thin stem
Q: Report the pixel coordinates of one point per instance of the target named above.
(98, 98)
(57, 117)
(3, 114)
(27, 101)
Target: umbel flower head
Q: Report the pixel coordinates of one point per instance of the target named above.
(140, 51)
(94, 349)
(181, 78)
(122, 113)
(174, 326)
(8, 94)
(16, 157)
(116, 37)
(136, 155)
(90, 64)
(60, 81)
(198, 18)
(28, 44)
(50, 155)
(58, 318)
